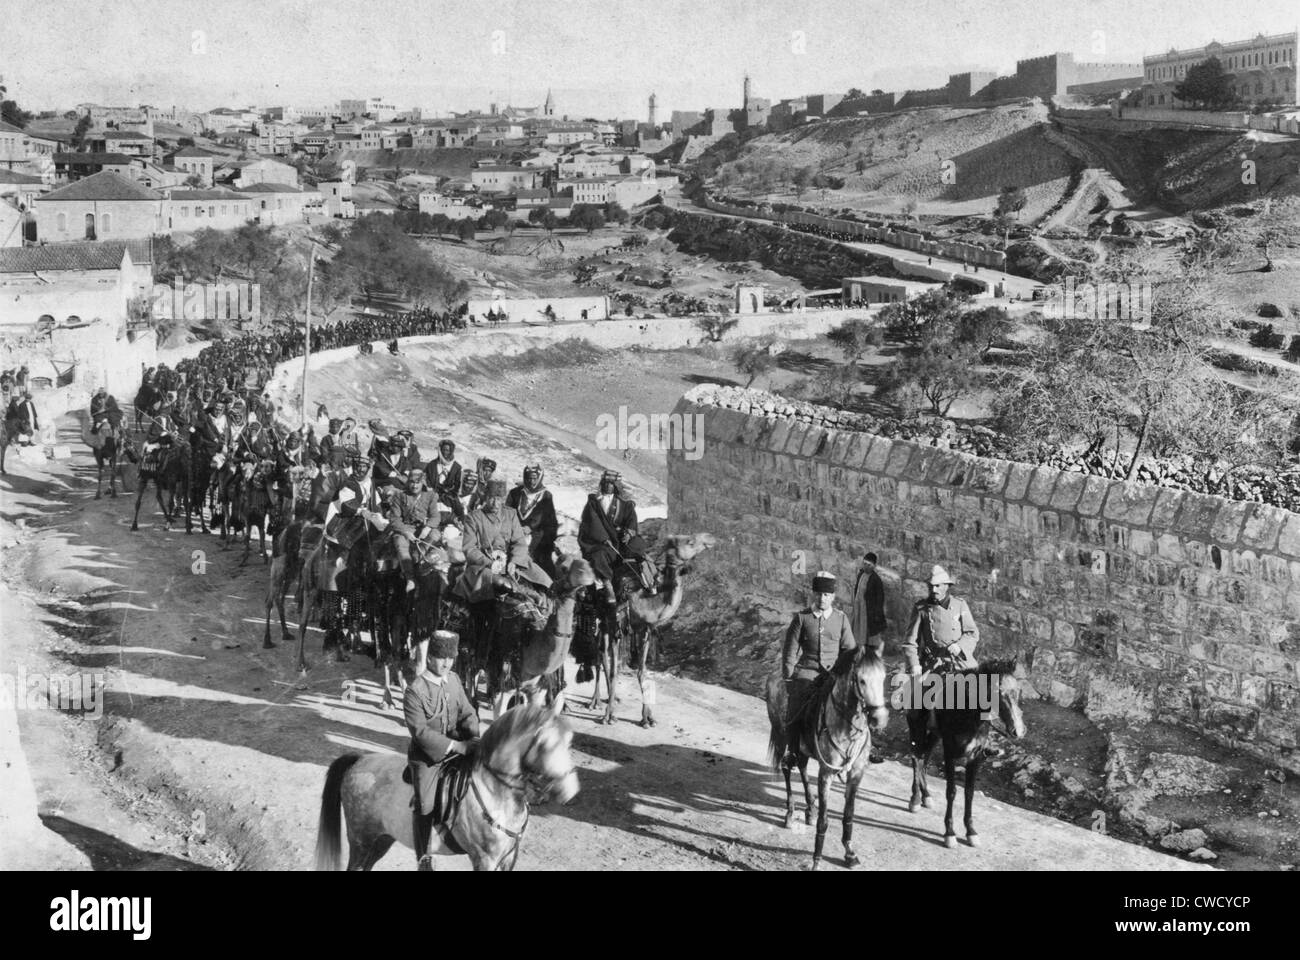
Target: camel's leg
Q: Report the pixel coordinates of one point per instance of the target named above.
(99, 477)
(950, 774)
(112, 477)
(972, 769)
(611, 673)
(139, 494)
(387, 702)
(248, 533)
(304, 614)
(275, 596)
(823, 775)
(596, 672)
(644, 680)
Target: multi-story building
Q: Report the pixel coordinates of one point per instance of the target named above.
(373, 107)
(129, 142)
(504, 178)
(1262, 69)
(453, 208)
(104, 206)
(336, 199)
(194, 161)
(275, 138)
(199, 209)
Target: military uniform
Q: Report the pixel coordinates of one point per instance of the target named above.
(485, 533)
(814, 642)
(940, 631)
(437, 712)
(407, 513)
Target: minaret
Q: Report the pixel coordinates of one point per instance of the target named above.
(744, 105)
(549, 109)
(652, 109)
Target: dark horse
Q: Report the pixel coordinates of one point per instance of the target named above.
(108, 439)
(964, 731)
(170, 474)
(834, 726)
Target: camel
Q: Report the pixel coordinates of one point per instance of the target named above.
(111, 440)
(544, 651)
(641, 615)
(171, 480)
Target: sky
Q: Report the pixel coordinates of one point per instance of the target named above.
(602, 59)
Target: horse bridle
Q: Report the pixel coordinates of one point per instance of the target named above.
(856, 720)
(515, 783)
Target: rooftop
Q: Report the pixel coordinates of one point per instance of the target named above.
(205, 195)
(12, 176)
(104, 185)
(269, 188)
(193, 151)
(102, 159)
(121, 135)
(93, 255)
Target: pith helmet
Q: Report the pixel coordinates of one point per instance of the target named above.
(938, 575)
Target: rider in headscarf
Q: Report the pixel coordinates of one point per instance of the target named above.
(536, 510)
(482, 476)
(608, 535)
(443, 475)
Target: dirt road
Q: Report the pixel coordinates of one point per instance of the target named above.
(210, 752)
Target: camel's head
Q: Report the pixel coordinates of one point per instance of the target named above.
(575, 573)
(687, 548)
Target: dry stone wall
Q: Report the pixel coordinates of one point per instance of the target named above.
(1125, 599)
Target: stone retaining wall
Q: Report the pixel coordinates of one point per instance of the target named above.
(1126, 599)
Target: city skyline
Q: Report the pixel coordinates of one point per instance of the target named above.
(601, 60)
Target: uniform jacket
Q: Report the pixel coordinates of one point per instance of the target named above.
(408, 512)
(938, 628)
(436, 714)
(813, 644)
(483, 534)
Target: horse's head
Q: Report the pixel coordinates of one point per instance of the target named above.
(1008, 696)
(537, 739)
(867, 672)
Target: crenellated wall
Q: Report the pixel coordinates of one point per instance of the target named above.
(1129, 600)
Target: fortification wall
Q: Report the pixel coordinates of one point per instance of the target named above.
(1129, 600)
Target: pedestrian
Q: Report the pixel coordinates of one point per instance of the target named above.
(867, 616)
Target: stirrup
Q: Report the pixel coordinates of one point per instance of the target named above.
(425, 863)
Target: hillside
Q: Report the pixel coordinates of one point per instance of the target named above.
(443, 162)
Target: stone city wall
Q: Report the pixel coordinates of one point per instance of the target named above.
(1125, 599)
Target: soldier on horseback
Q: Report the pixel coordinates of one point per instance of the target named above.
(412, 515)
(942, 635)
(443, 725)
(608, 536)
(814, 642)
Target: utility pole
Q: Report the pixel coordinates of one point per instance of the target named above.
(306, 347)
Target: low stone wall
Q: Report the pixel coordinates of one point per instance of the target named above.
(1126, 599)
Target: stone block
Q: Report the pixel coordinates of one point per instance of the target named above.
(1279, 731)
(1220, 683)
(1197, 515)
(815, 442)
(1141, 543)
(878, 455)
(988, 476)
(1170, 548)
(1018, 481)
(1130, 503)
(1168, 503)
(856, 454)
(1041, 485)
(1288, 543)
(1069, 489)
(1262, 527)
(1229, 522)
(779, 436)
(1093, 496)
(899, 457)
(1233, 720)
(794, 441)
(1235, 657)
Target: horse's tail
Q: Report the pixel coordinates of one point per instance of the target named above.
(779, 739)
(328, 833)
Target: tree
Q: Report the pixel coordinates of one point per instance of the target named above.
(754, 358)
(79, 132)
(938, 372)
(854, 94)
(924, 319)
(614, 213)
(855, 337)
(1012, 199)
(495, 219)
(465, 229)
(440, 223)
(717, 326)
(548, 220)
(801, 179)
(10, 112)
(196, 181)
(981, 329)
(587, 217)
(1206, 84)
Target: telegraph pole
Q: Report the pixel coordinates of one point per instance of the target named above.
(306, 348)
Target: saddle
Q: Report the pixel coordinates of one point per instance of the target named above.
(450, 784)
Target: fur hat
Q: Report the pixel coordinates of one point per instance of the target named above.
(823, 582)
(446, 644)
(495, 488)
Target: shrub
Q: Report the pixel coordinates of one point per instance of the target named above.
(1267, 338)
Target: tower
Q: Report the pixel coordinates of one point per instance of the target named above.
(549, 109)
(744, 104)
(652, 110)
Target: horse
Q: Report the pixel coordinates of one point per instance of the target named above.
(636, 617)
(525, 657)
(170, 474)
(346, 573)
(834, 726)
(525, 752)
(964, 732)
(286, 567)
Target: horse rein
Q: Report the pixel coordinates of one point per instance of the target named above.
(516, 783)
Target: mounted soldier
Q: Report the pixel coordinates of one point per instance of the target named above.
(443, 476)
(392, 459)
(608, 536)
(331, 446)
(942, 635)
(443, 725)
(817, 637)
(412, 515)
(495, 544)
(104, 409)
(532, 502)
(477, 482)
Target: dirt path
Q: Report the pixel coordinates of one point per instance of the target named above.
(204, 730)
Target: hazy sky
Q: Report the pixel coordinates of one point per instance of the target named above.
(601, 58)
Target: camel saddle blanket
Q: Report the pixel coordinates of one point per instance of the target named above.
(346, 531)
